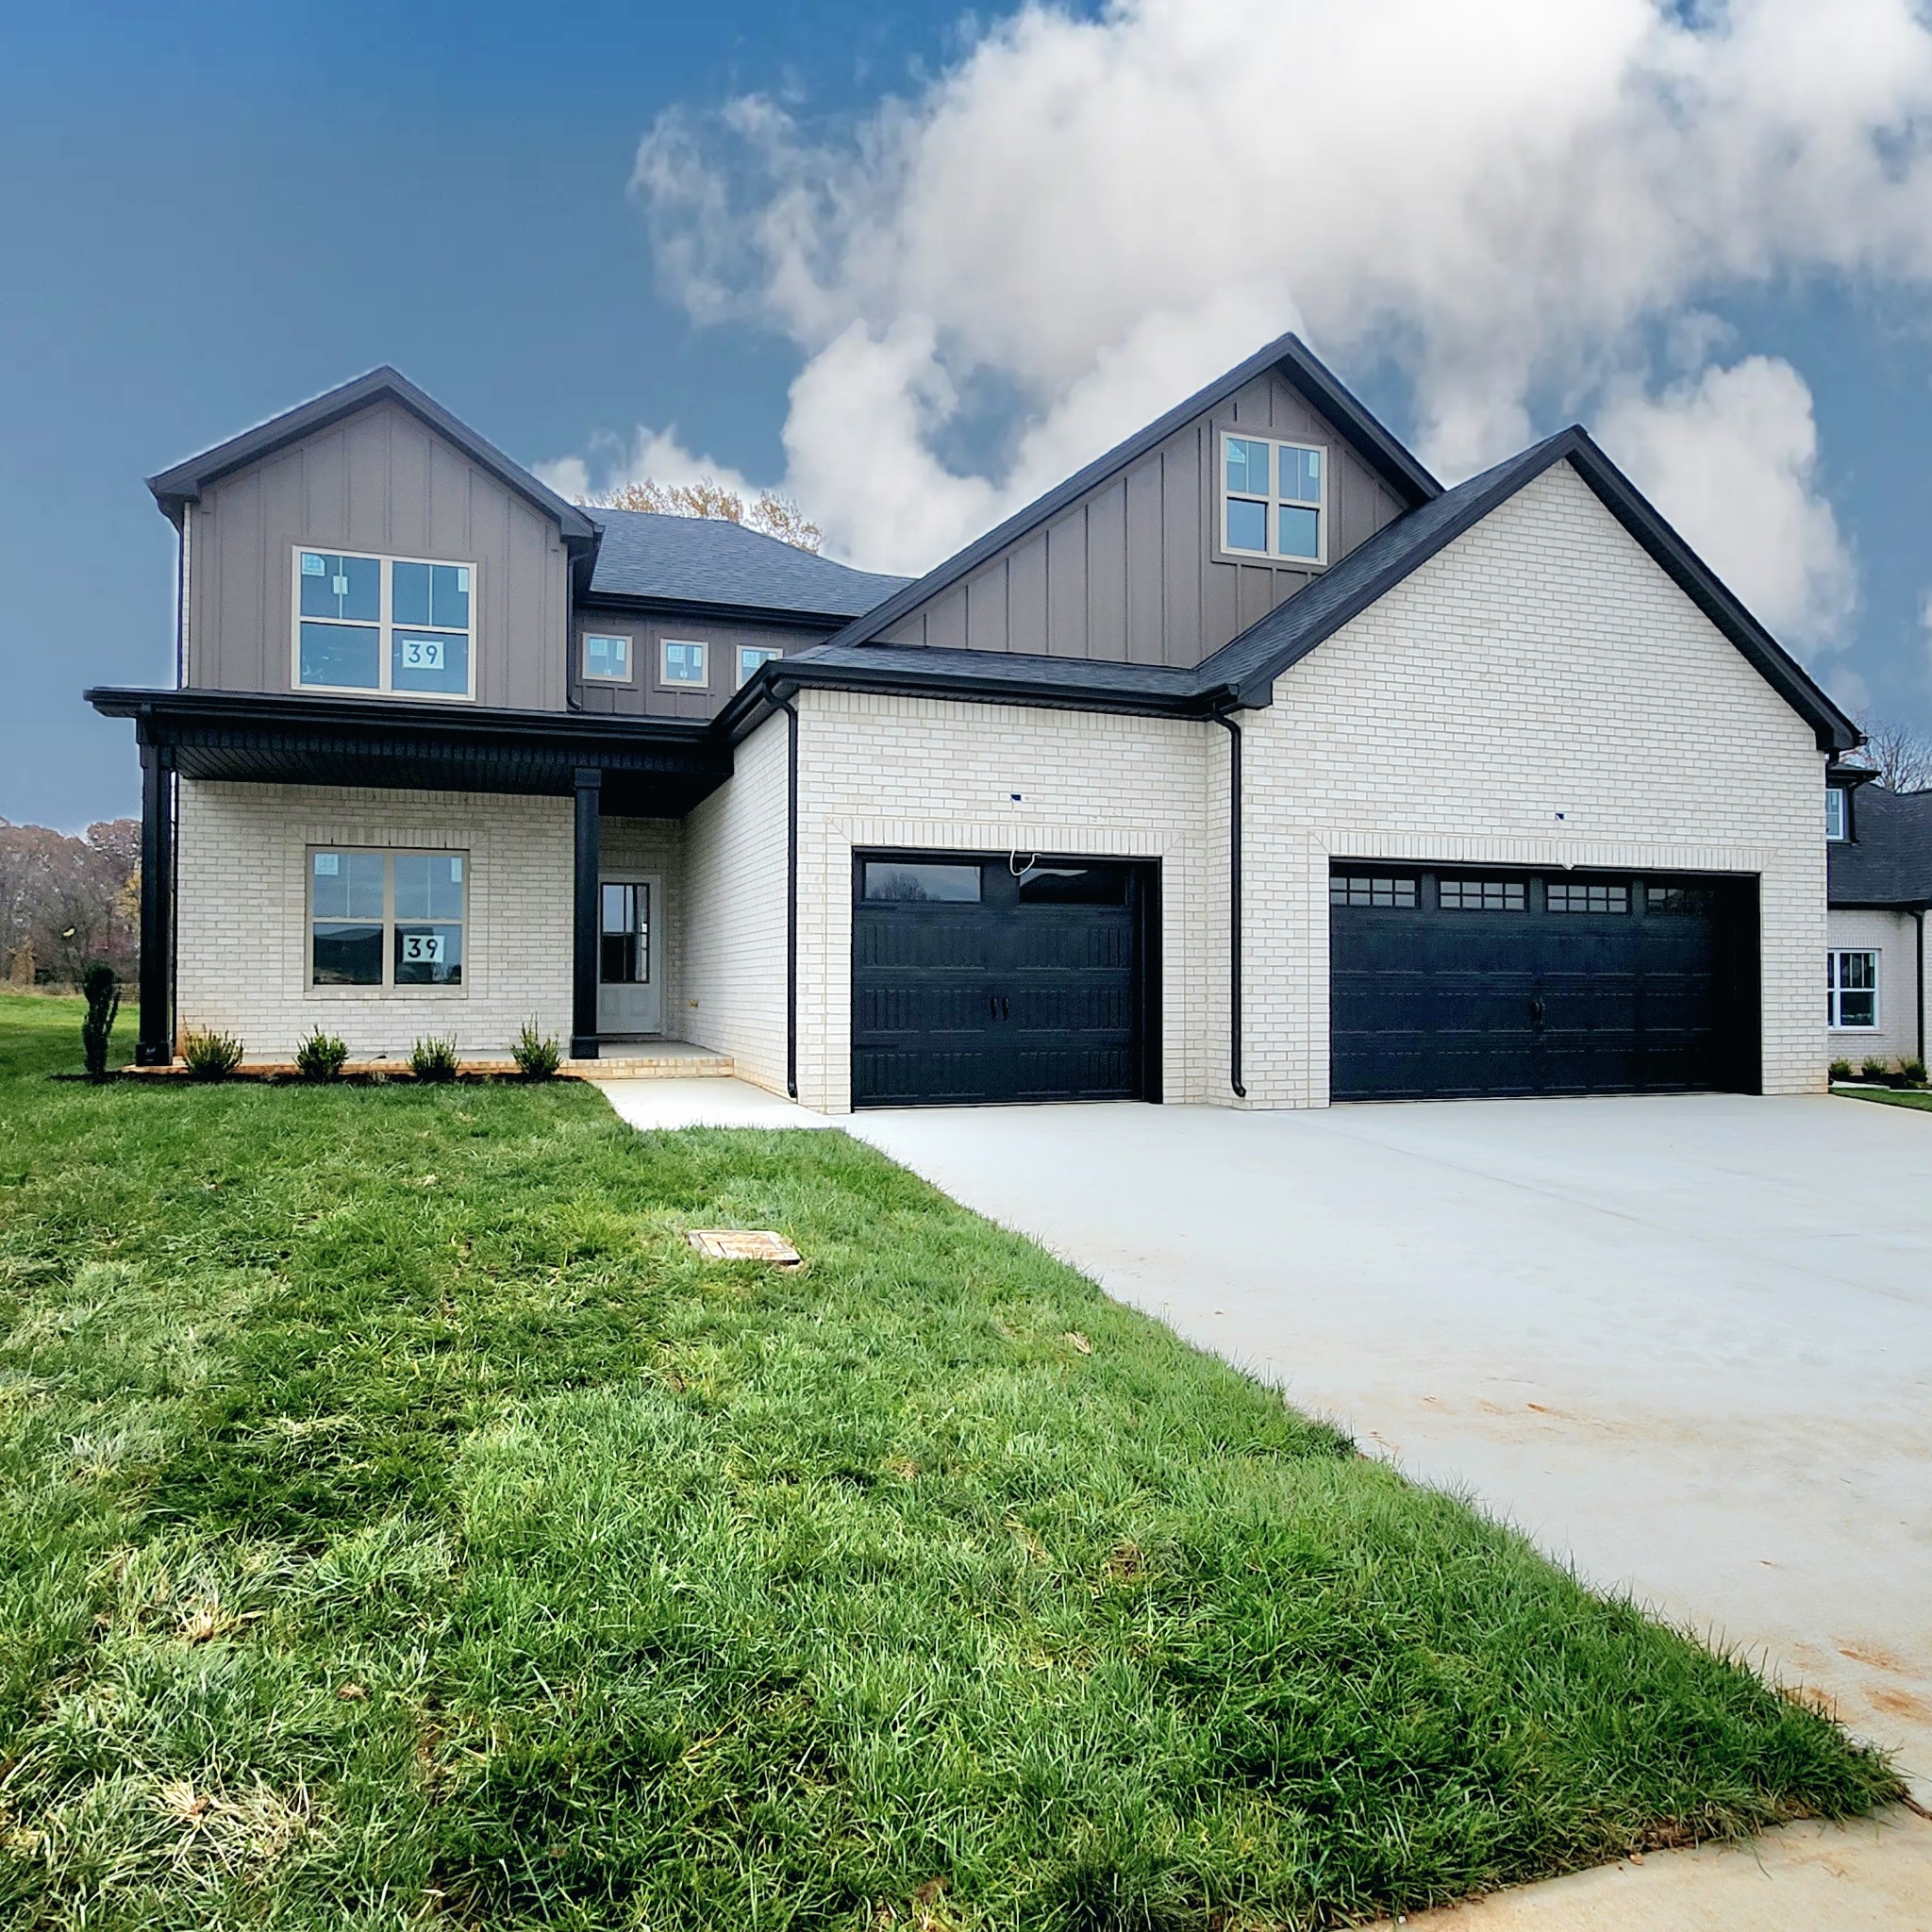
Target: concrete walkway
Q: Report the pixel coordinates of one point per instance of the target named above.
(1685, 1342)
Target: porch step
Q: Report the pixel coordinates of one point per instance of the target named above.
(673, 1059)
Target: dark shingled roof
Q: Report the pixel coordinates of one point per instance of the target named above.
(1890, 861)
(1077, 677)
(705, 560)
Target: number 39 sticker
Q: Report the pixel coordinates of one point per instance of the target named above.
(422, 654)
(421, 948)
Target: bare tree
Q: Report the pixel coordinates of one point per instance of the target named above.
(67, 902)
(1900, 754)
(769, 513)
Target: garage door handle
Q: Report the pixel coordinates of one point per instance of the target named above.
(1536, 1012)
(998, 1007)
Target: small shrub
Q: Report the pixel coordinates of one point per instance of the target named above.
(1840, 1070)
(1872, 1068)
(1912, 1072)
(103, 990)
(321, 1056)
(211, 1056)
(434, 1058)
(537, 1054)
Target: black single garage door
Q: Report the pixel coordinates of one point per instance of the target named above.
(1452, 983)
(975, 979)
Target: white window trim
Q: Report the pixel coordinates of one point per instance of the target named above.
(671, 683)
(630, 657)
(387, 987)
(769, 654)
(1836, 794)
(1834, 992)
(1274, 554)
(384, 627)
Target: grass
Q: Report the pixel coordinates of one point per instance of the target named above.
(1888, 1096)
(400, 1526)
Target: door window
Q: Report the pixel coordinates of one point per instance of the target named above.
(624, 942)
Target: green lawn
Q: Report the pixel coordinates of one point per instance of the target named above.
(401, 1525)
(1888, 1096)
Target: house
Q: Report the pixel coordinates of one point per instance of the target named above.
(1879, 846)
(1249, 766)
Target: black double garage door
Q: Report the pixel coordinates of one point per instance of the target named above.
(1469, 982)
(979, 979)
(1034, 978)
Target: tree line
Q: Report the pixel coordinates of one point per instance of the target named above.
(68, 903)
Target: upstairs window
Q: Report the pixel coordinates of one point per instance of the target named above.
(392, 624)
(750, 657)
(685, 662)
(606, 660)
(1274, 501)
(1838, 821)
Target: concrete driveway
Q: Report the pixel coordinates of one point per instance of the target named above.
(1686, 1342)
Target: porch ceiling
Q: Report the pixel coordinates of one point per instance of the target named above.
(652, 768)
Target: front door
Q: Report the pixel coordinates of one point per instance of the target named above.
(630, 958)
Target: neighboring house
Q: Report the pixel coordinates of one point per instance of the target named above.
(1880, 863)
(1249, 766)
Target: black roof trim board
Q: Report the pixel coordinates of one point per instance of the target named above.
(185, 481)
(1252, 661)
(618, 606)
(1296, 361)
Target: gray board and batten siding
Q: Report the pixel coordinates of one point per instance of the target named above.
(380, 482)
(645, 694)
(1130, 572)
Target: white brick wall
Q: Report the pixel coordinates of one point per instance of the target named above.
(1894, 937)
(733, 984)
(909, 772)
(1541, 665)
(242, 945)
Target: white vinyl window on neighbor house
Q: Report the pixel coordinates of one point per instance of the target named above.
(1851, 989)
(685, 662)
(1273, 499)
(397, 626)
(1835, 817)
(386, 919)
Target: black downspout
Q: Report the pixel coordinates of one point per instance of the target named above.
(590, 856)
(783, 700)
(1234, 903)
(155, 1039)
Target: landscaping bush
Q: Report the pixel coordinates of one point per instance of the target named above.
(434, 1058)
(321, 1056)
(102, 986)
(211, 1056)
(537, 1054)
(1872, 1068)
(1912, 1072)
(1840, 1070)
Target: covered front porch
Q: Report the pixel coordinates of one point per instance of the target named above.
(631, 782)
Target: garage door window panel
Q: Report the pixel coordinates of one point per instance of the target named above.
(1483, 895)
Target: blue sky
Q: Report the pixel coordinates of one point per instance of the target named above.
(215, 212)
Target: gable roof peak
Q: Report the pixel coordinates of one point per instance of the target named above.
(1324, 390)
(183, 482)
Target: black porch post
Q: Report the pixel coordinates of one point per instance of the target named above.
(583, 1018)
(154, 1041)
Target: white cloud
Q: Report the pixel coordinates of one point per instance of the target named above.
(1513, 200)
(1731, 457)
(655, 454)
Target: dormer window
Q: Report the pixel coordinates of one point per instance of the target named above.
(1274, 500)
(397, 626)
(1838, 819)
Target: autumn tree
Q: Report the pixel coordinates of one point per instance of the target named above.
(767, 514)
(70, 901)
(1901, 755)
